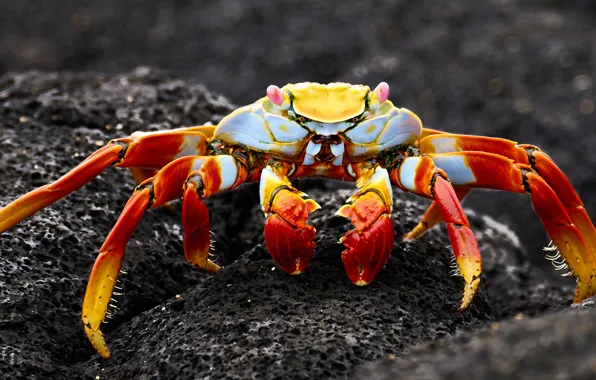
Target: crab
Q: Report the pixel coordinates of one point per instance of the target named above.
(337, 131)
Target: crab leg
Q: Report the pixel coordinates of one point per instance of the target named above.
(287, 236)
(147, 150)
(368, 247)
(488, 170)
(530, 155)
(167, 185)
(216, 174)
(430, 132)
(432, 216)
(421, 176)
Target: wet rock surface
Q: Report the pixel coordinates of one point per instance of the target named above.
(250, 320)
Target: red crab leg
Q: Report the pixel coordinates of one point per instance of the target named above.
(488, 170)
(287, 236)
(419, 175)
(531, 155)
(432, 216)
(166, 186)
(429, 132)
(369, 245)
(148, 150)
(216, 174)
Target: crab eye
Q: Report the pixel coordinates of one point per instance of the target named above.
(355, 119)
(301, 119)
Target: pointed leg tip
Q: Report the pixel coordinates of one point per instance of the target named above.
(408, 237)
(98, 342)
(470, 291)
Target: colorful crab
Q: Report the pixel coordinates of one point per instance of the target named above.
(337, 131)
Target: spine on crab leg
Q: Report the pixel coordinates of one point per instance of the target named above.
(492, 171)
(432, 216)
(421, 176)
(288, 237)
(149, 150)
(215, 174)
(369, 245)
(530, 155)
(167, 185)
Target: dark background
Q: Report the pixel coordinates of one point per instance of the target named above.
(519, 69)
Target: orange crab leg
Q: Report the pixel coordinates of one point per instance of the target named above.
(147, 150)
(165, 186)
(288, 237)
(421, 176)
(369, 245)
(430, 132)
(530, 155)
(216, 174)
(488, 170)
(432, 216)
(219, 172)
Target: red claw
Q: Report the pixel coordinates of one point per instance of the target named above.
(292, 248)
(368, 251)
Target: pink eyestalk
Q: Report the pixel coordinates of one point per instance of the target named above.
(275, 95)
(382, 92)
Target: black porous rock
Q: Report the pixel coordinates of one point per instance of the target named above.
(250, 320)
(555, 346)
(517, 69)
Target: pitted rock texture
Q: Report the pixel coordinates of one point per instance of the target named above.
(250, 320)
(518, 69)
(558, 346)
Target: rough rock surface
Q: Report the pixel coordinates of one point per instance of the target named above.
(519, 69)
(248, 321)
(558, 346)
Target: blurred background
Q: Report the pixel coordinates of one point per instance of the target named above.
(518, 69)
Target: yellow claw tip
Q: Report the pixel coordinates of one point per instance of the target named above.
(344, 211)
(96, 338)
(312, 205)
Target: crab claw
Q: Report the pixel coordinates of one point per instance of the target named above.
(368, 247)
(288, 237)
(291, 248)
(368, 251)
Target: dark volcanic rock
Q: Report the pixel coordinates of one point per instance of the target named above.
(250, 320)
(519, 69)
(559, 346)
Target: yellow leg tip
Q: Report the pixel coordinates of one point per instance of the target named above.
(415, 233)
(210, 266)
(584, 290)
(470, 291)
(96, 338)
